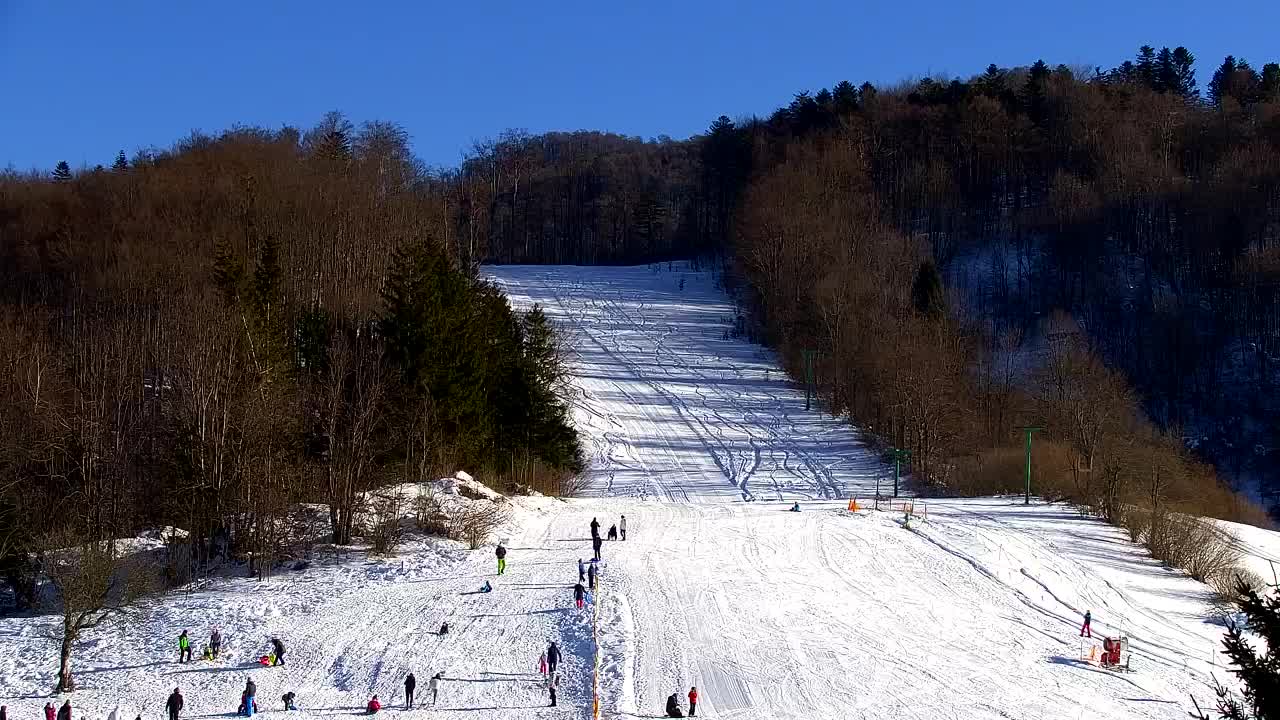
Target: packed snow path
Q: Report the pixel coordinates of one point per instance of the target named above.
(673, 407)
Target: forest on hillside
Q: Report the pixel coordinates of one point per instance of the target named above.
(202, 335)
(1121, 220)
(206, 336)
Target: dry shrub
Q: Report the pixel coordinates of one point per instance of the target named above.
(386, 527)
(1003, 470)
(1198, 547)
(532, 475)
(1226, 584)
(428, 516)
(474, 523)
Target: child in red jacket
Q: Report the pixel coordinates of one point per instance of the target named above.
(693, 701)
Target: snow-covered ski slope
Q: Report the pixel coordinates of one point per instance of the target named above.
(821, 614)
(676, 409)
(971, 614)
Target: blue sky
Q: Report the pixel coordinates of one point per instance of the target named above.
(81, 80)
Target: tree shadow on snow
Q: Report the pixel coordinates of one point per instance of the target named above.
(90, 671)
(548, 611)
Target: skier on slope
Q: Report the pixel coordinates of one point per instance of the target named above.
(622, 527)
(174, 705)
(501, 552)
(1085, 629)
(579, 593)
(553, 657)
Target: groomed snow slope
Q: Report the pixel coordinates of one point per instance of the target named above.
(772, 614)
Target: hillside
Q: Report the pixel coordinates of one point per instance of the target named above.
(698, 439)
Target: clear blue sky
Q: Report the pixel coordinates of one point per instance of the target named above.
(81, 80)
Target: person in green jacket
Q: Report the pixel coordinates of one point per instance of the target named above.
(184, 647)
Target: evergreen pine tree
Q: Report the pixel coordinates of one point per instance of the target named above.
(1221, 79)
(1182, 62)
(228, 272)
(1270, 82)
(1259, 672)
(1034, 95)
(1166, 73)
(121, 164)
(62, 173)
(1145, 68)
(845, 97)
(926, 292)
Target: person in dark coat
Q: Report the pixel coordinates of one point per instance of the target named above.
(4, 712)
(579, 593)
(409, 684)
(215, 642)
(582, 571)
(553, 657)
(174, 706)
(591, 576)
(613, 532)
(673, 707)
(551, 688)
(501, 552)
(279, 650)
(288, 700)
(595, 544)
(595, 528)
(64, 712)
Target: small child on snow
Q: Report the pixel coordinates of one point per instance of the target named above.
(374, 706)
(542, 662)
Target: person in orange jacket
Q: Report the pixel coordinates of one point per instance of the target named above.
(693, 701)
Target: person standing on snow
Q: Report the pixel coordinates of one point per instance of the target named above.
(595, 529)
(591, 576)
(215, 642)
(174, 706)
(579, 593)
(551, 688)
(434, 687)
(622, 527)
(1085, 630)
(501, 552)
(278, 647)
(582, 571)
(64, 712)
(542, 663)
(596, 542)
(49, 712)
(409, 684)
(693, 701)
(184, 647)
(553, 657)
(248, 698)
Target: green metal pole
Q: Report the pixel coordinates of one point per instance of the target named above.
(897, 463)
(1026, 500)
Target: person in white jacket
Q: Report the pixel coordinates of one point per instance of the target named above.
(434, 687)
(622, 527)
